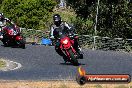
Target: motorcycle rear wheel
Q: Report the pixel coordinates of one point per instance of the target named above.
(74, 60)
(22, 44)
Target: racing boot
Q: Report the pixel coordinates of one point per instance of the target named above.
(80, 53)
(1, 35)
(78, 48)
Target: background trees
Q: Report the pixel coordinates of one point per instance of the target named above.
(85, 10)
(32, 14)
(114, 18)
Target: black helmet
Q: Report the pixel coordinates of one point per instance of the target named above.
(1, 16)
(57, 19)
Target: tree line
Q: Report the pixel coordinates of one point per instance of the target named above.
(114, 18)
(31, 14)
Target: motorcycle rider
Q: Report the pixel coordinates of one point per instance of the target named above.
(3, 23)
(58, 23)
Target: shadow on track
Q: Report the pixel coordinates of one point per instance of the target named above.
(70, 64)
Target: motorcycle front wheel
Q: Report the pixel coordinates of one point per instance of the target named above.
(74, 60)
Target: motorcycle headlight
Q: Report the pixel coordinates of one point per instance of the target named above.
(65, 41)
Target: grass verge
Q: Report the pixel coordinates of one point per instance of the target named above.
(2, 63)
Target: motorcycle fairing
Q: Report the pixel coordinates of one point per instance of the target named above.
(65, 46)
(18, 38)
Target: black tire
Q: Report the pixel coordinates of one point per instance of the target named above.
(22, 44)
(74, 60)
(5, 43)
(80, 56)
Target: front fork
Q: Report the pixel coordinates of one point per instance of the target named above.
(65, 51)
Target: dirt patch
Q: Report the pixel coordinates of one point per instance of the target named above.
(57, 84)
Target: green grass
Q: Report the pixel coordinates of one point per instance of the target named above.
(2, 63)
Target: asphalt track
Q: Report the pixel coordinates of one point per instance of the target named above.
(42, 63)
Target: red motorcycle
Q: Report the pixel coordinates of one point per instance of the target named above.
(12, 37)
(66, 45)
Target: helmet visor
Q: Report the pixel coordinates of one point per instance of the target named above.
(57, 23)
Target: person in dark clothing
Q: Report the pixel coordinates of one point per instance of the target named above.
(64, 28)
